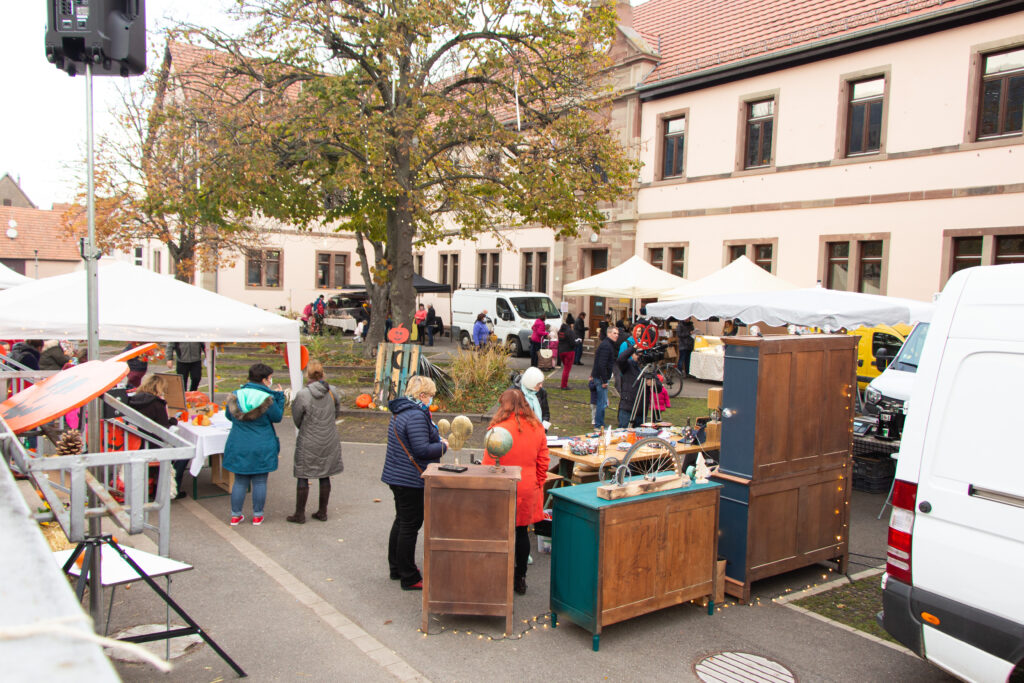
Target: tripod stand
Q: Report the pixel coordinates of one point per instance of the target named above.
(93, 545)
(644, 400)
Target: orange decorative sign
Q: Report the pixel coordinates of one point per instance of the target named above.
(303, 357)
(135, 351)
(60, 393)
(398, 335)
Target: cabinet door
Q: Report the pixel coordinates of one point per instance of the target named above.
(687, 561)
(631, 535)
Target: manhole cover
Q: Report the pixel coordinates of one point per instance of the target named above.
(740, 667)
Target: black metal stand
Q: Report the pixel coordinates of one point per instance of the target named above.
(92, 545)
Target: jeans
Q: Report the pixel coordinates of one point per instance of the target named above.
(522, 551)
(430, 335)
(602, 403)
(404, 532)
(534, 353)
(241, 486)
(625, 412)
(579, 352)
(566, 359)
(190, 371)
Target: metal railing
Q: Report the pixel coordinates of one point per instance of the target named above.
(119, 476)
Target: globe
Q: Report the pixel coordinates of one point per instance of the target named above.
(498, 441)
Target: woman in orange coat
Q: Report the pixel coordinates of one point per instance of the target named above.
(530, 452)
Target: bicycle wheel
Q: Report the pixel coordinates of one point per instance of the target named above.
(673, 380)
(649, 457)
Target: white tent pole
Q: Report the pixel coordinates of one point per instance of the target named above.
(294, 351)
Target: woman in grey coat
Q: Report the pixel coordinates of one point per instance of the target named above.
(317, 446)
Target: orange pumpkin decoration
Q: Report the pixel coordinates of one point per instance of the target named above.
(434, 407)
(303, 357)
(398, 335)
(364, 401)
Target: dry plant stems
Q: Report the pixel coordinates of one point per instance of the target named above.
(479, 377)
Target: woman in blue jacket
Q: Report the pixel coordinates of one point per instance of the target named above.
(252, 446)
(480, 331)
(413, 443)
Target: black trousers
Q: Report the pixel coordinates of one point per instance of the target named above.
(404, 532)
(191, 373)
(522, 551)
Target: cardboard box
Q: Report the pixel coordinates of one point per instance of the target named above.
(220, 476)
(715, 398)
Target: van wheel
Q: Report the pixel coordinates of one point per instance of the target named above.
(464, 340)
(514, 346)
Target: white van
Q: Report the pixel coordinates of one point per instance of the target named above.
(952, 588)
(511, 312)
(891, 389)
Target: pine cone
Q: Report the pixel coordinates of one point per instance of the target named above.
(70, 443)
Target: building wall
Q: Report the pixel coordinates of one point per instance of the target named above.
(926, 179)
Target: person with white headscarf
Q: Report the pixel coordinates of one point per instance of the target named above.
(532, 385)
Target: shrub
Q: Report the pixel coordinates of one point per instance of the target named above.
(480, 377)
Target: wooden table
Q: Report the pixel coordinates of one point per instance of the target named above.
(566, 459)
(469, 541)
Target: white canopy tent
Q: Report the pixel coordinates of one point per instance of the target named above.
(828, 309)
(138, 305)
(742, 275)
(9, 278)
(633, 279)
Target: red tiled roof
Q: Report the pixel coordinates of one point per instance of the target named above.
(38, 229)
(695, 35)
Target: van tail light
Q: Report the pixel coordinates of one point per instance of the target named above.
(901, 531)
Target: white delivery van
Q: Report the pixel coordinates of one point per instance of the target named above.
(511, 312)
(952, 588)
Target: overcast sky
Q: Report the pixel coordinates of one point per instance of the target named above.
(42, 111)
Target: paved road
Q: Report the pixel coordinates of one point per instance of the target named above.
(314, 602)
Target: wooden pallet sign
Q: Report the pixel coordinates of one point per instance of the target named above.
(396, 363)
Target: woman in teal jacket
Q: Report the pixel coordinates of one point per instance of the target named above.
(252, 446)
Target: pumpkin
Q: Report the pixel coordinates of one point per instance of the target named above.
(303, 357)
(364, 401)
(398, 335)
(434, 407)
(372, 406)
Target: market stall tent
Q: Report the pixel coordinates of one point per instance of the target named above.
(138, 305)
(10, 278)
(742, 275)
(633, 279)
(828, 309)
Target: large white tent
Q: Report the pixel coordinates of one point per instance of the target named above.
(814, 307)
(138, 305)
(634, 279)
(9, 278)
(742, 275)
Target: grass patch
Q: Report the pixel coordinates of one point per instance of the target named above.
(854, 604)
(479, 377)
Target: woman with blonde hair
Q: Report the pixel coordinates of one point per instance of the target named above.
(530, 452)
(317, 446)
(149, 400)
(413, 443)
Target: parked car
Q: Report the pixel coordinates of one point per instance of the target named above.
(511, 313)
(951, 588)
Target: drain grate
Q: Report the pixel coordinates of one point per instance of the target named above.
(741, 667)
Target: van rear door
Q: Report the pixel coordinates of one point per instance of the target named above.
(968, 532)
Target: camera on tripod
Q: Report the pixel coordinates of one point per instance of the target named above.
(654, 354)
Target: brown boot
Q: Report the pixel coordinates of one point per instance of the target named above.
(301, 496)
(325, 495)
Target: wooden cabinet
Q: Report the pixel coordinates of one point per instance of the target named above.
(785, 456)
(469, 541)
(612, 560)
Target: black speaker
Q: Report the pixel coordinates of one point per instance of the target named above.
(110, 34)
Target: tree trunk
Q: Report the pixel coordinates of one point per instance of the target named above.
(377, 294)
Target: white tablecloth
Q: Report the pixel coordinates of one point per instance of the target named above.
(208, 440)
(708, 365)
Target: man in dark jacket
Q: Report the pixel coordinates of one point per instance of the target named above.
(431, 324)
(27, 353)
(604, 361)
(631, 388)
(190, 361)
(684, 332)
(413, 443)
(580, 328)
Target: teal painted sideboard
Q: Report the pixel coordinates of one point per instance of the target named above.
(612, 560)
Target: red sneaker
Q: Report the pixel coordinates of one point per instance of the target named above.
(237, 519)
(418, 586)
(257, 520)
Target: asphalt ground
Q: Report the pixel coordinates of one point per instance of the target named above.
(314, 602)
